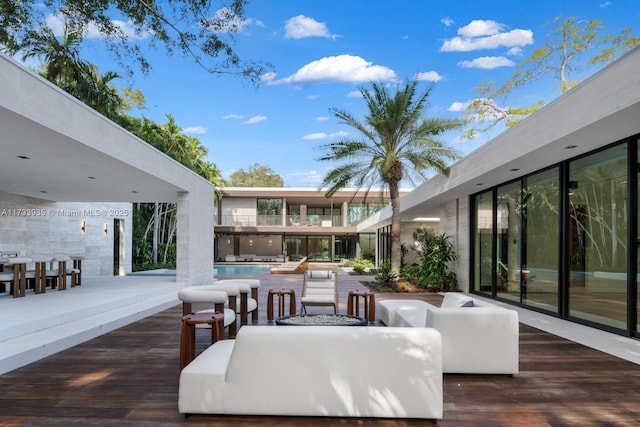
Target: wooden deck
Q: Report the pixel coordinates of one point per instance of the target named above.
(129, 377)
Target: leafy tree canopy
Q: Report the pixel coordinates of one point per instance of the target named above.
(562, 57)
(257, 176)
(200, 29)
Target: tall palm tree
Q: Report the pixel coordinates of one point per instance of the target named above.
(395, 144)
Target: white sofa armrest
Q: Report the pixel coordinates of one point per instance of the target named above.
(202, 381)
(482, 340)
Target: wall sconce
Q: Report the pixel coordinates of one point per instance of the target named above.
(83, 226)
(251, 242)
(228, 241)
(106, 229)
(270, 242)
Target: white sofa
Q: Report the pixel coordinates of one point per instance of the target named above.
(341, 371)
(477, 337)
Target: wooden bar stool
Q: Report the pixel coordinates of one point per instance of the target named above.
(369, 299)
(281, 294)
(188, 335)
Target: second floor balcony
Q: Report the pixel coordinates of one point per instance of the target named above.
(279, 221)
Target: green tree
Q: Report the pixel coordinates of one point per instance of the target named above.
(561, 56)
(61, 63)
(200, 29)
(395, 143)
(257, 176)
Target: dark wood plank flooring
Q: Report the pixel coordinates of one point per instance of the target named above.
(129, 377)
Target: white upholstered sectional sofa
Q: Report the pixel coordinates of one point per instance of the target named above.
(343, 371)
(477, 337)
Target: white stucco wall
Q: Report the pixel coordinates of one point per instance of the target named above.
(454, 222)
(39, 227)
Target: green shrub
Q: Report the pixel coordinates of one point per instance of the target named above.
(384, 275)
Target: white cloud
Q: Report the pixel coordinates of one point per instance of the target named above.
(268, 77)
(224, 21)
(447, 21)
(313, 97)
(457, 106)
(322, 135)
(232, 117)
(342, 69)
(303, 179)
(354, 94)
(255, 119)
(322, 118)
(431, 76)
(479, 28)
(486, 35)
(515, 51)
(91, 30)
(605, 4)
(196, 130)
(487, 62)
(300, 27)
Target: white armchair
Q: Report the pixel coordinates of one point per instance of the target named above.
(248, 302)
(217, 297)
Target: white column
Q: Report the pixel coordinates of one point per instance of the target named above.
(194, 264)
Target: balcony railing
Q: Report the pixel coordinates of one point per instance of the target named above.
(277, 220)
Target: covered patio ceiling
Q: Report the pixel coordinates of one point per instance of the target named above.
(55, 148)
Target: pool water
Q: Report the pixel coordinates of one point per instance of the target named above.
(232, 270)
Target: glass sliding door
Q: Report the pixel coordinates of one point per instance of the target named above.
(483, 243)
(541, 224)
(319, 248)
(510, 274)
(597, 224)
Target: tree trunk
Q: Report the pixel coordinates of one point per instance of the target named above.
(396, 252)
(156, 222)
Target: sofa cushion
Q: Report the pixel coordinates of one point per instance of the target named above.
(455, 299)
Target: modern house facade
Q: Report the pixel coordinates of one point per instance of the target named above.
(270, 223)
(545, 215)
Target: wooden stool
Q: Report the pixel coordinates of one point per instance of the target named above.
(281, 293)
(353, 304)
(188, 336)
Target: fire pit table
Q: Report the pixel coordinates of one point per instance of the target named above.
(321, 320)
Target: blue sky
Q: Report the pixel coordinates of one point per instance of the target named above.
(323, 51)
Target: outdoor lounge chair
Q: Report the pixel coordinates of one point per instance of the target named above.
(292, 267)
(320, 288)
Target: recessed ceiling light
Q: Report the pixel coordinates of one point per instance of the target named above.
(43, 192)
(134, 191)
(91, 177)
(514, 169)
(479, 183)
(425, 219)
(23, 157)
(570, 147)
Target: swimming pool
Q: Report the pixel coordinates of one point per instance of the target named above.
(232, 270)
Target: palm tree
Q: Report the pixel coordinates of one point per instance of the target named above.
(396, 144)
(62, 64)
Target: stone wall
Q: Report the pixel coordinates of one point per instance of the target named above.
(39, 227)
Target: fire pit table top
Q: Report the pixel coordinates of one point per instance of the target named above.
(321, 320)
